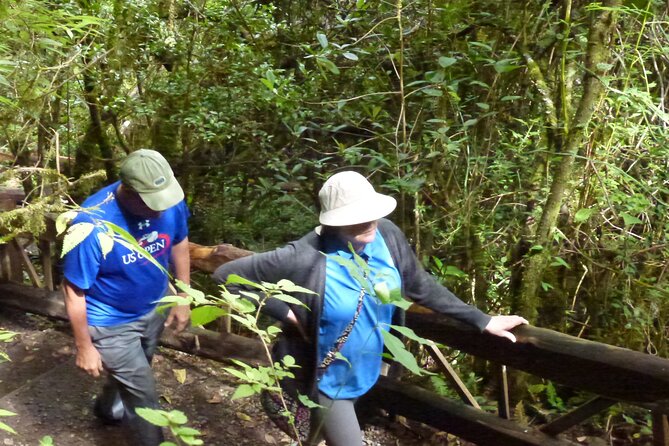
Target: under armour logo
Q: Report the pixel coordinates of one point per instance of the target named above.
(143, 224)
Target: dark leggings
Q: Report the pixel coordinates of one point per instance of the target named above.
(336, 422)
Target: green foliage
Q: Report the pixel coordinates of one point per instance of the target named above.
(176, 422)
(4, 426)
(107, 234)
(462, 110)
(549, 393)
(6, 336)
(47, 440)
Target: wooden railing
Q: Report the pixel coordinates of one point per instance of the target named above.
(611, 374)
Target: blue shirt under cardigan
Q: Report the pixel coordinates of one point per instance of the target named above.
(355, 376)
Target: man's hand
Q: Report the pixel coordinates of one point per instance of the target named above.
(500, 326)
(88, 359)
(178, 318)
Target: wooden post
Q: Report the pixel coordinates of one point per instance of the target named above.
(11, 263)
(503, 408)
(30, 268)
(452, 377)
(4, 263)
(47, 263)
(660, 429)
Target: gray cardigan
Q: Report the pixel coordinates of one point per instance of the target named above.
(303, 263)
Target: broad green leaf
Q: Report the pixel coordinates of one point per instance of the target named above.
(76, 234)
(630, 220)
(289, 300)
(401, 302)
(234, 279)
(382, 292)
(153, 416)
(46, 441)
(583, 215)
(352, 269)
(451, 270)
(243, 306)
(206, 314)
(245, 321)
(6, 336)
(190, 440)
(341, 357)
(177, 417)
(559, 261)
(253, 296)
(400, 353)
(307, 402)
(243, 391)
(505, 65)
(127, 240)
(179, 300)
(446, 62)
(185, 430)
(197, 295)
(364, 267)
(7, 428)
(289, 287)
(106, 243)
(351, 56)
(168, 443)
(236, 373)
(409, 333)
(273, 330)
(322, 39)
(63, 220)
(327, 64)
(433, 92)
(288, 361)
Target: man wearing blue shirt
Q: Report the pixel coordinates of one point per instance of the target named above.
(111, 297)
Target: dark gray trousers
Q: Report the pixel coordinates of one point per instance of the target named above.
(336, 422)
(126, 351)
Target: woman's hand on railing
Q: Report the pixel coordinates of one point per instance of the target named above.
(500, 326)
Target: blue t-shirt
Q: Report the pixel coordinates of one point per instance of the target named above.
(123, 286)
(363, 349)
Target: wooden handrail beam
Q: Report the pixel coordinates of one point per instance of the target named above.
(464, 421)
(612, 372)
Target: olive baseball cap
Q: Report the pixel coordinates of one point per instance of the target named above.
(149, 174)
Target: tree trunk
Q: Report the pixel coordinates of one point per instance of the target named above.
(95, 137)
(597, 57)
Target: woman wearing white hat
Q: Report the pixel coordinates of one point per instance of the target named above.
(342, 319)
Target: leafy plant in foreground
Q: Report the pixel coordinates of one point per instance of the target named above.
(175, 420)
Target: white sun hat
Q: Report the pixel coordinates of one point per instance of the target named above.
(347, 198)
